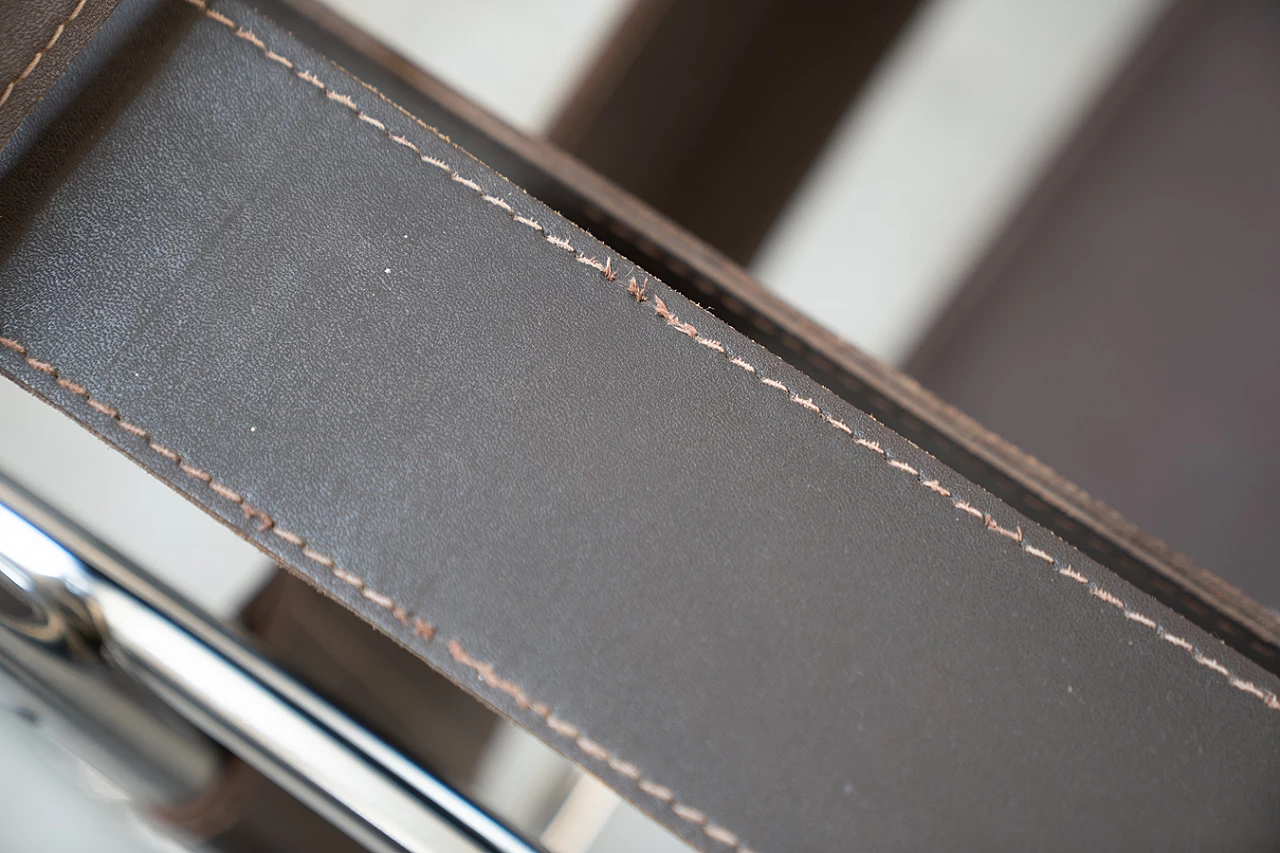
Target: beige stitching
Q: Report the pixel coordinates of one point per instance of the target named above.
(805, 402)
(133, 428)
(1268, 698)
(902, 466)
(248, 36)
(251, 512)
(220, 18)
(719, 833)
(312, 554)
(1069, 572)
(840, 425)
(626, 768)
(291, 538)
(379, 599)
(400, 140)
(1015, 534)
(223, 491)
(653, 789)
(427, 631)
(73, 387)
(345, 100)
(190, 470)
(103, 408)
(593, 749)
(690, 814)
(637, 290)
(1212, 664)
(524, 220)
(660, 308)
(164, 451)
(348, 578)
(1036, 552)
(935, 486)
(873, 446)
(275, 57)
(493, 200)
(560, 727)
(1140, 619)
(1099, 592)
(40, 54)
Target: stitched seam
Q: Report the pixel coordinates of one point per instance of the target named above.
(39, 55)
(423, 628)
(485, 671)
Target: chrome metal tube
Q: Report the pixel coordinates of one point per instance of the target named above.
(69, 604)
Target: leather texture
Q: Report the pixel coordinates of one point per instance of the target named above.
(38, 40)
(698, 271)
(765, 618)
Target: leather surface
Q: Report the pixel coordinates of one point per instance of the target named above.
(698, 271)
(38, 40)
(646, 539)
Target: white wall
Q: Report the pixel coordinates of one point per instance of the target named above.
(925, 170)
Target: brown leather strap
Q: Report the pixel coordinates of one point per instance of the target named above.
(769, 620)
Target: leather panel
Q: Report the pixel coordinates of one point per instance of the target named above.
(765, 618)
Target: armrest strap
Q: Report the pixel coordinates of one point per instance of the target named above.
(768, 620)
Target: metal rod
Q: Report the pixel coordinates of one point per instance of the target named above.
(70, 605)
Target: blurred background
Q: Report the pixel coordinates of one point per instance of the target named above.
(1062, 216)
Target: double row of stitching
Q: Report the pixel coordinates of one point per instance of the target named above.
(422, 628)
(640, 294)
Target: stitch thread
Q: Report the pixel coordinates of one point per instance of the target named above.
(486, 671)
(103, 408)
(1036, 552)
(1140, 619)
(637, 290)
(1015, 534)
(902, 466)
(873, 446)
(840, 425)
(935, 486)
(806, 403)
(1099, 592)
(1069, 572)
(690, 814)
(40, 54)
